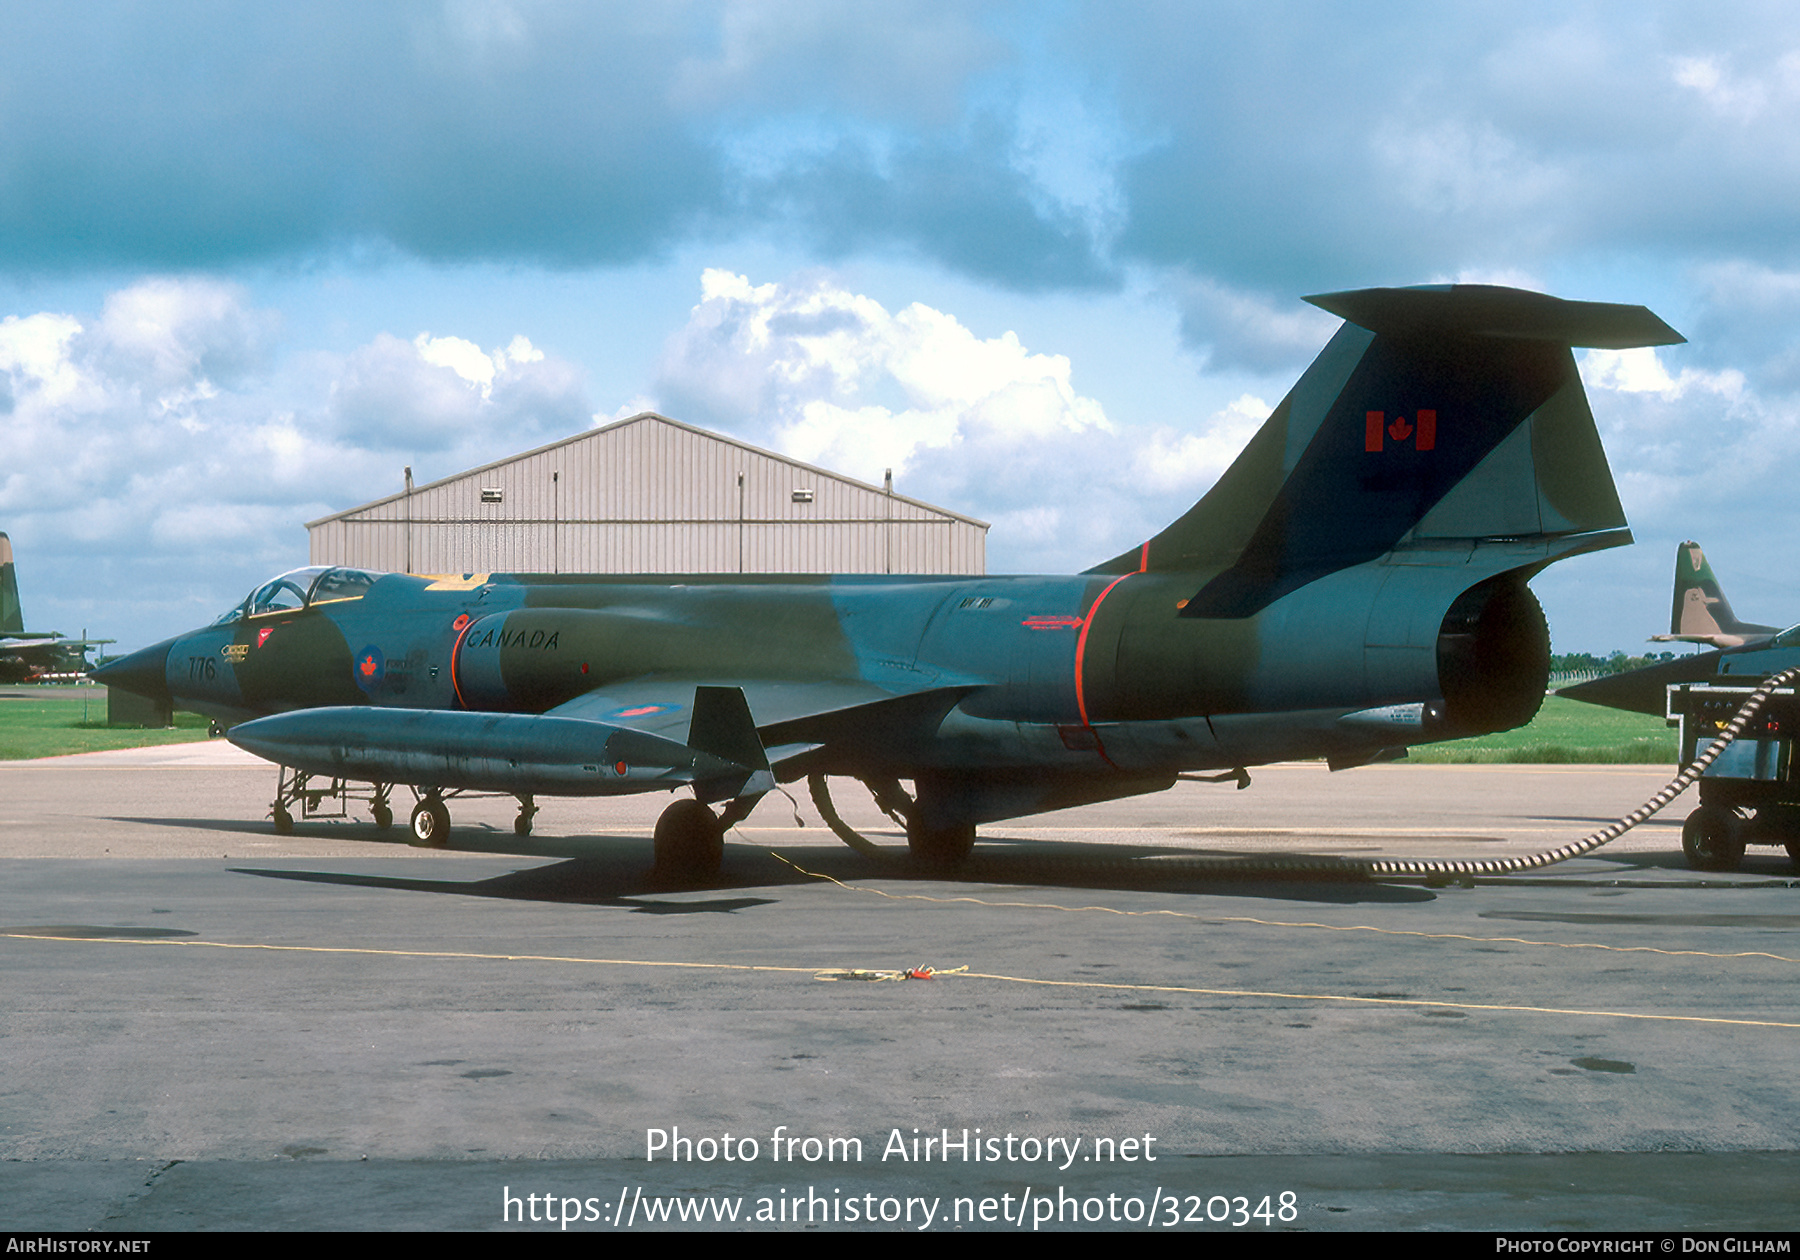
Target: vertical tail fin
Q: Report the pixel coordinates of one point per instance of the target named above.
(12, 617)
(1435, 414)
(1701, 613)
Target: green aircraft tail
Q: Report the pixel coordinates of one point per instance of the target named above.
(12, 617)
(1701, 613)
(1438, 413)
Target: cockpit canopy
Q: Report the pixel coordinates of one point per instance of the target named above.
(302, 588)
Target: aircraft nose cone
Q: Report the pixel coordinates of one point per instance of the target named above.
(143, 673)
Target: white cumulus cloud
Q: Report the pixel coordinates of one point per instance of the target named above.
(166, 441)
(982, 425)
(833, 377)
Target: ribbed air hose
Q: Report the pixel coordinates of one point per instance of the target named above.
(1281, 864)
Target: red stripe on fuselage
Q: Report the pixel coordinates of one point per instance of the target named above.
(455, 661)
(1081, 653)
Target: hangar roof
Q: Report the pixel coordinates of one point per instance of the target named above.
(650, 417)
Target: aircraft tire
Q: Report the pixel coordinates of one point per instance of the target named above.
(1793, 851)
(1776, 824)
(284, 822)
(431, 824)
(383, 816)
(940, 847)
(521, 826)
(690, 843)
(1712, 838)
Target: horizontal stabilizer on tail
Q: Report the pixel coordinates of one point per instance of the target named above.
(1487, 310)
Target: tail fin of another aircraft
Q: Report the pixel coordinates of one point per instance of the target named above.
(12, 617)
(1435, 414)
(1701, 613)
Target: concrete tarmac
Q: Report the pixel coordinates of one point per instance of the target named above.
(209, 1026)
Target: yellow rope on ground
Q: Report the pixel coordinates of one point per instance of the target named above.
(962, 973)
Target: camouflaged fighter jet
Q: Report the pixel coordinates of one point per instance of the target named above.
(1745, 650)
(1354, 584)
(1701, 613)
(27, 655)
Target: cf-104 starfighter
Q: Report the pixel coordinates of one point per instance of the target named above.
(1354, 584)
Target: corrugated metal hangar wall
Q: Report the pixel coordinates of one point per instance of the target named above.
(650, 495)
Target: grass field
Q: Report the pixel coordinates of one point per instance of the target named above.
(1565, 731)
(51, 721)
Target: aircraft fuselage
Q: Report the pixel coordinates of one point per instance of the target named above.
(1072, 671)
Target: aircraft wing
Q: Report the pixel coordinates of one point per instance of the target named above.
(24, 655)
(650, 733)
(49, 641)
(793, 717)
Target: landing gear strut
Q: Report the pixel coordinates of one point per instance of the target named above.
(527, 810)
(690, 843)
(939, 847)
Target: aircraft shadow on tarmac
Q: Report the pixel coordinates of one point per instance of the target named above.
(578, 881)
(614, 870)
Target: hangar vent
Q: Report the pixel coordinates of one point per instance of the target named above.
(650, 495)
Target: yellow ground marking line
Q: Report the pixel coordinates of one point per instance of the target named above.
(414, 953)
(1376, 1001)
(958, 974)
(1323, 927)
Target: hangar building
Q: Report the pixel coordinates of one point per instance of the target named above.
(650, 495)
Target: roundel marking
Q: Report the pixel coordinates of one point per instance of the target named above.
(643, 710)
(368, 667)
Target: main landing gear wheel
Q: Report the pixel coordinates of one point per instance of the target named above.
(527, 810)
(431, 823)
(284, 822)
(941, 847)
(1713, 839)
(383, 816)
(690, 843)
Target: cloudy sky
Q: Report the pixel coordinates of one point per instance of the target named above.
(1042, 259)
